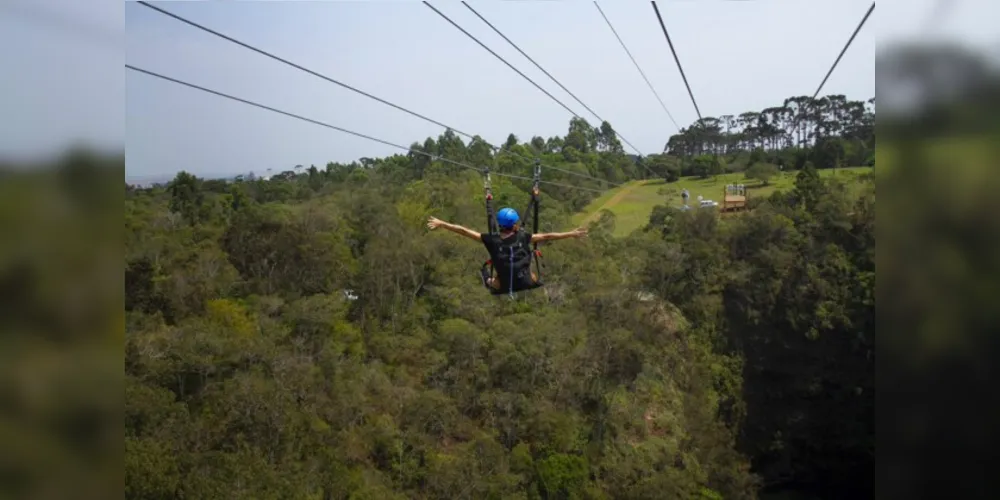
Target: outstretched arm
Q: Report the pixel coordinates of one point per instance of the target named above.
(434, 223)
(579, 232)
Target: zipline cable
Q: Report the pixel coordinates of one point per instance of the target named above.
(650, 85)
(496, 149)
(539, 66)
(676, 59)
(509, 65)
(339, 129)
(798, 116)
(844, 50)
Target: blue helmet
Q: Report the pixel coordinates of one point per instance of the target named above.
(507, 217)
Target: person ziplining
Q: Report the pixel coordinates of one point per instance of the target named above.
(509, 268)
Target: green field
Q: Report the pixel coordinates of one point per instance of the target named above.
(634, 201)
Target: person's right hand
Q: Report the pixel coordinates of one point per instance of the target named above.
(434, 223)
(580, 232)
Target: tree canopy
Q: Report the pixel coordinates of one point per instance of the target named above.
(830, 131)
(303, 336)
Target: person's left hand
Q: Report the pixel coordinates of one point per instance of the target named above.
(580, 232)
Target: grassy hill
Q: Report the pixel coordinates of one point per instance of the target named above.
(634, 201)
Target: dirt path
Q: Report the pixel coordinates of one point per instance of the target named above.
(610, 203)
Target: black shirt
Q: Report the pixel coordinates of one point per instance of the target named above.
(511, 258)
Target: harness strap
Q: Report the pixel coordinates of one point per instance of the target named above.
(511, 275)
(535, 203)
(491, 219)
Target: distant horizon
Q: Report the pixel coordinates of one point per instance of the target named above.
(431, 68)
(523, 140)
(150, 179)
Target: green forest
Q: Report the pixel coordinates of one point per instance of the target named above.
(831, 132)
(304, 336)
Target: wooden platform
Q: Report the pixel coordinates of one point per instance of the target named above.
(733, 202)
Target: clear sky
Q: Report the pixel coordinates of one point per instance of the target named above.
(738, 56)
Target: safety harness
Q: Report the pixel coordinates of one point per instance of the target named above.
(487, 270)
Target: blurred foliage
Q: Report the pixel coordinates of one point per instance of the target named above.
(62, 327)
(938, 271)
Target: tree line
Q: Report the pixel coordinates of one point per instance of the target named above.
(592, 151)
(800, 121)
(829, 132)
